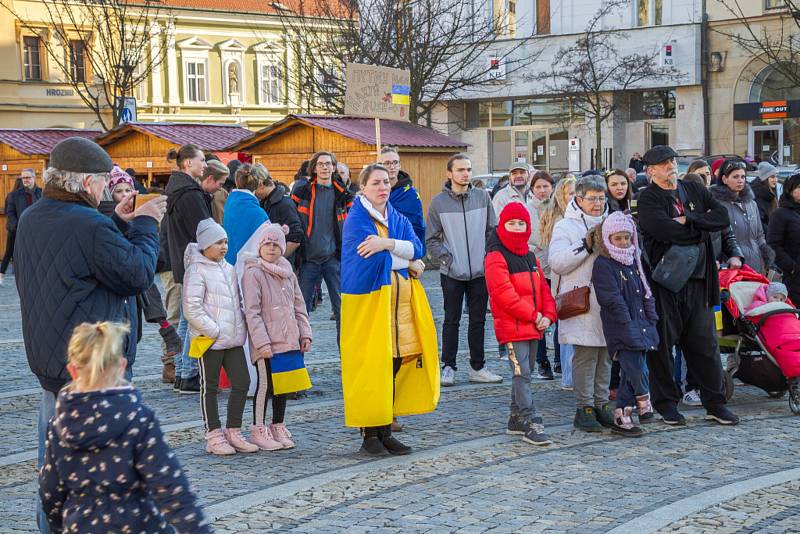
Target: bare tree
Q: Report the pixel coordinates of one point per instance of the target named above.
(102, 48)
(776, 45)
(593, 69)
(445, 44)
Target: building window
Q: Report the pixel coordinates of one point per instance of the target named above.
(649, 12)
(77, 61)
(271, 83)
(542, 17)
(196, 81)
(504, 17)
(652, 104)
(31, 51)
(773, 4)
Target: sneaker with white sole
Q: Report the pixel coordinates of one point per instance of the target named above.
(448, 376)
(262, 436)
(484, 376)
(692, 398)
(282, 434)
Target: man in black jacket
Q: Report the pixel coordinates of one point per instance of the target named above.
(16, 202)
(673, 213)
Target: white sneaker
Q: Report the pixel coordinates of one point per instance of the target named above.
(692, 398)
(484, 376)
(448, 376)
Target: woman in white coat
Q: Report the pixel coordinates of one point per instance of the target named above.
(571, 260)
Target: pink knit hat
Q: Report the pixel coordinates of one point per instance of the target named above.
(118, 176)
(622, 222)
(618, 222)
(275, 233)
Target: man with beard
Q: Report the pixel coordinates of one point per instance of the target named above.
(683, 214)
(517, 189)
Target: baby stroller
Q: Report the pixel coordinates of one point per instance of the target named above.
(751, 361)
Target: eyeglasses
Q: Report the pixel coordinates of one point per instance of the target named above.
(324, 164)
(394, 163)
(594, 200)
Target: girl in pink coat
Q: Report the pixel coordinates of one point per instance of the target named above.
(277, 323)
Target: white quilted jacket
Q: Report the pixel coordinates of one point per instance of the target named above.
(571, 262)
(211, 301)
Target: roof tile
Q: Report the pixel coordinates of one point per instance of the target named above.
(41, 140)
(213, 137)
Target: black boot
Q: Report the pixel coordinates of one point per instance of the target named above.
(392, 444)
(372, 445)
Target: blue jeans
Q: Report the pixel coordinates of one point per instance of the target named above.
(311, 274)
(185, 367)
(633, 377)
(47, 409)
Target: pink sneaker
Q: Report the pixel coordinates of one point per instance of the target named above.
(261, 436)
(282, 434)
(238, 441)
(217, 444)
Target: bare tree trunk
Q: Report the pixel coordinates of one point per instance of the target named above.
(598, 140)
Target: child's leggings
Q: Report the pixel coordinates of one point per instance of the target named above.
(633, 379)
(236, 367)
(265, 391)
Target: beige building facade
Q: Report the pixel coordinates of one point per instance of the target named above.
(221, 62)
(753, 108)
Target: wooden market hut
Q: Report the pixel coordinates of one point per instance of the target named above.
(28, 148)
(143, 146)
(283, 146)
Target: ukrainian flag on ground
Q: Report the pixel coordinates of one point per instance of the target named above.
(289, 373)
(366, 345)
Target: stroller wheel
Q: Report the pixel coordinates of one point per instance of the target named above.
(776, 394)
(726, 376)
(794, 395)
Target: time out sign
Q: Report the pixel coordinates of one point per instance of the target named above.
(775, 109)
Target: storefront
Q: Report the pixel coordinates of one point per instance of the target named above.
(773, 132)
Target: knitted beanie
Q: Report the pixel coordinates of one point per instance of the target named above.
(776, 288)
(118, 176)
(516, 242)
(208, 233)
(275, 233)
(765, 170)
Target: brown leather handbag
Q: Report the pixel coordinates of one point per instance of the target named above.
(572, 303)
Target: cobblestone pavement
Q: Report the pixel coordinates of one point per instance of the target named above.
(466, 475)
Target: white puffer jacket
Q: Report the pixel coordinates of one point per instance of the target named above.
(211, 300)
(572, 264)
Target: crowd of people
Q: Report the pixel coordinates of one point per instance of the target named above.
(624, 276)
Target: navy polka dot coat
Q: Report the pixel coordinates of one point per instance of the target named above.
(108, 469)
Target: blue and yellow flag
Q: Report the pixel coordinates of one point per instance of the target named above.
(366, 345)
(401, 94)
(289, 373)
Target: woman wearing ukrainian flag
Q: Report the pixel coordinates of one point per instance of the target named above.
(388, 338)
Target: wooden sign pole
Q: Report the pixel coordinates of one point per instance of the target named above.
(378, 138)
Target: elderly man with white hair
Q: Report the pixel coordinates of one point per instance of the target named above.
(74, 265)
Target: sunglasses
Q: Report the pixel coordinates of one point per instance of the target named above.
(730, 167)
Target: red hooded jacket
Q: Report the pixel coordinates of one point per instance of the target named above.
(517, 292)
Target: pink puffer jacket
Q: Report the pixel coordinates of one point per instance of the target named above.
(274, 307)
(211, 301)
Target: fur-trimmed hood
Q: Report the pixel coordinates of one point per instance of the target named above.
(724, 194)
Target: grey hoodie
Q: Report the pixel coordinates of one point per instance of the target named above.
(458, 227)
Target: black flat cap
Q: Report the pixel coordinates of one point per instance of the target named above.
(77, 154)
(659, 153)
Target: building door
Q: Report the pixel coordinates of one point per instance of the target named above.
(765, 142)
(658, 134)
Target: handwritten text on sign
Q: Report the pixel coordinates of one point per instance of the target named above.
(380, 92)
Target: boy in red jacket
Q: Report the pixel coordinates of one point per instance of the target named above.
(523, 308)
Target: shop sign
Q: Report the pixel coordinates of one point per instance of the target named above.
(59, 92)
(771, 109)
(497, 69)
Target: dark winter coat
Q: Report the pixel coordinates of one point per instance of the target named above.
(725, 245)
(281, 210)
(73, 265)
(17, 202)
(187, 205)
(405, 199)
(107, 468)
(766, 200)
(636, 164)
(784, 238)
(163, 265)
(704, 214)
(629, 319)
(517, 292)
(305, 197)
(746, 224)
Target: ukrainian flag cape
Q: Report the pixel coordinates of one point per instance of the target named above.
(366, 345)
